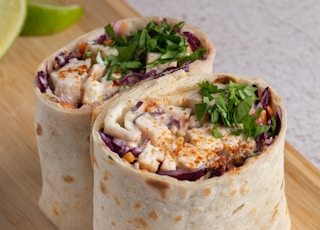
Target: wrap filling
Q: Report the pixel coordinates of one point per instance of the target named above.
(118, 59)
(197, 134)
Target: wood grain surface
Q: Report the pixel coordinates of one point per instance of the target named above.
(20, 174)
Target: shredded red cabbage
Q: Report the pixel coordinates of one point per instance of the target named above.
(265, 99)
(42, 80)
(175, 123)
(173, 69)
(192, 40)
(101, 39)
(136, 151)
(132, 78)
(137, 106)
(278, 119)
(182, 174)
(114, 144)
(63, 58)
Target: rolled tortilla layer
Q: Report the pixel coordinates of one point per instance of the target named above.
(251, 196)
(63, 135)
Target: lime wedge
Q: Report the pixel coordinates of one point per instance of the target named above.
(47, 18)
(12, 14)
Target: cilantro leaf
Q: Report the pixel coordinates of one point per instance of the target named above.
(201, 109)
(216, 133)
(251, 128)
(243, 107)
(126, 53)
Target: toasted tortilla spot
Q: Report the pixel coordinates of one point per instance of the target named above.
(68, 179)
(117, 201)
(55, 211)
(183, 194)
(244, 189)
(102, 207)
(153, 215)
(113, 223)
(237, 209)
(138, 223)
(252, 212)
(106, 175)
(159, 186)
(39, 129)
(233, 192)
(206, 191)
(103, 188)
(94, 160)
(197, 210)
(178, 218)
(137, 206)
(275, 212)
(282, 184)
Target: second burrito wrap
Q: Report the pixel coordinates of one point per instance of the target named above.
(72, 82)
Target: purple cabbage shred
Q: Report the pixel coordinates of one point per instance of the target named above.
(265, 99)
(193, 41)
(182, 174)
(101, 39)
(278, 119)
(132, 78)
(42, 80)
(137, 106)
(114, 144)
(136, 151)
(63, 58)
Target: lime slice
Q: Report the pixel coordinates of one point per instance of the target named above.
(12, 14)
(45, 18)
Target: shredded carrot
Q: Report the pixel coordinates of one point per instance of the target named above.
(67, 105)
(151, 108)
(259, 94)
(82, 47)
(262, 119)
(129, 157)
(270, 111)
(108, 42)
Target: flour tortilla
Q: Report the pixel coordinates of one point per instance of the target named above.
(249, 197)
(63, 139)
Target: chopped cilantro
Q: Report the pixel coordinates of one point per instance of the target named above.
(216, 133)
(87, 54)
(230, 107)
(155, 37)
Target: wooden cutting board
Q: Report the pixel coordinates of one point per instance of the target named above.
(20, 173)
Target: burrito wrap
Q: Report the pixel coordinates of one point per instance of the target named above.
(63, 137)
(251, 196)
